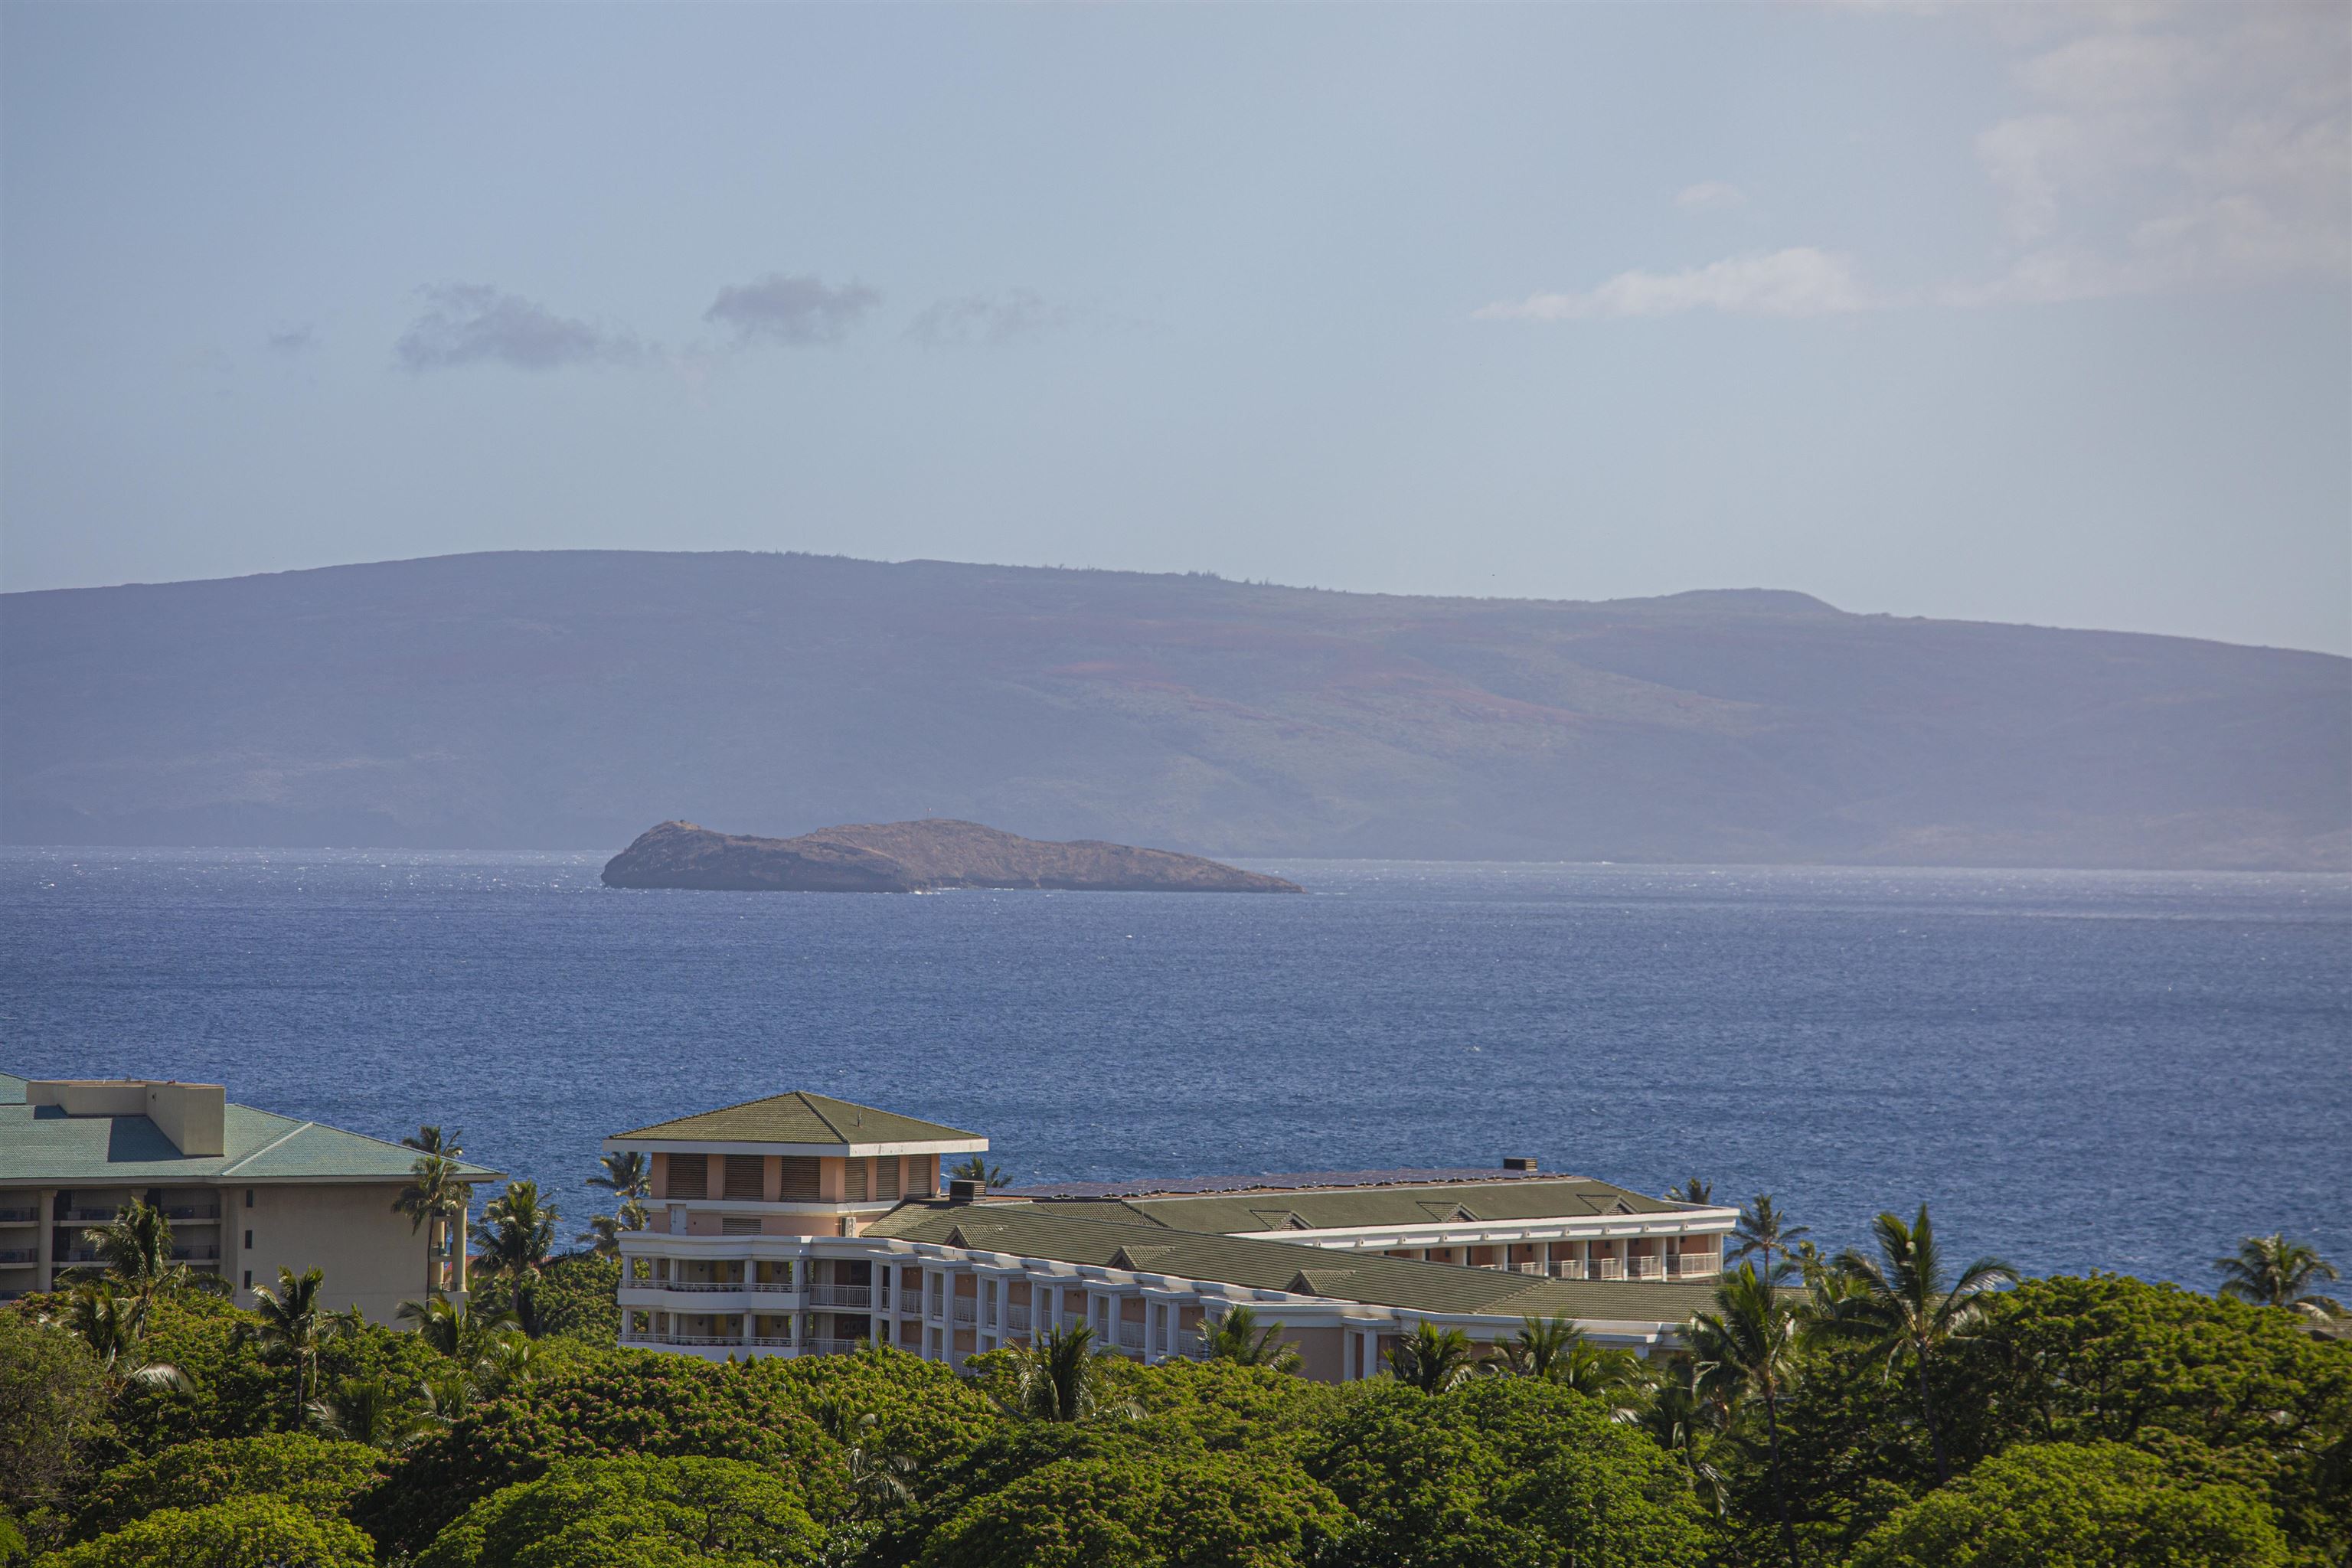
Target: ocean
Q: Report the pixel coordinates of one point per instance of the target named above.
(2076, 1070)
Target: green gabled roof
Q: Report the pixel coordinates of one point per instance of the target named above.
(1352, 1209)
(42, 1143)
(800, 1117)
(1058, 1233)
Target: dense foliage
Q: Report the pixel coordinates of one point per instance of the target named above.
(1847, 1417)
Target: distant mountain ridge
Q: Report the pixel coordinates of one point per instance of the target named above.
(912, 857)
(565, 699)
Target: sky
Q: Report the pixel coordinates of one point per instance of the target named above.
(2017, 313)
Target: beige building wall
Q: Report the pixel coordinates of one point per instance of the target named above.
(348, 1231)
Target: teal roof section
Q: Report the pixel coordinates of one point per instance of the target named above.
(1060, 1232)
(41, 1146)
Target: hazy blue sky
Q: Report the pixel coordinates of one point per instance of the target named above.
(2023, 313)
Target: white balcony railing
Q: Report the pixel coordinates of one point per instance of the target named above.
(1651, 1266)
(1608, 1268)
(965, 1309)
(1130, 1336)
(1016, 1318)
(828, 1347)
(1695, 1264)
(694, 1284)
(19, 1216)
(1528, 1268)
(841, 1296)
(772, 1286)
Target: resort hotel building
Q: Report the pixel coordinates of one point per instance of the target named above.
(800, 1225)
(246, 1190)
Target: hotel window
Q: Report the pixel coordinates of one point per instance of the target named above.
(248, 1241)
(889, 1177)
(744, 1178)
(800, 1179)
(853, 1175)
(249, 1279)
(248, 1197)
(690, 1176)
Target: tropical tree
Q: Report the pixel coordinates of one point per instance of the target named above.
(2272, 1272)
(435, 1195)
(976, 1169)
(427, 1140)
(1746, 1348)
(1432, 1359)
(604, 1230)
(289, 1320)
(113, 1324)
(1909, 1305)
(136, 1247)
(455, 1330)
(518, 1237)
(1541, 1347)
(371, 1410)
(1696, 1190)
(1236, 1337)
(1763, 1230)
(1685, 1418)
(1060, 1378)
(879, 1482)
(627, 1174)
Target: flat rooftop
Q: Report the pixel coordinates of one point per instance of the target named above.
(1286, 1182)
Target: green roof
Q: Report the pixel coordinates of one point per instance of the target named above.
(1059, 1233)
(42, 1143)
(1528, 1198)
(800, 1117)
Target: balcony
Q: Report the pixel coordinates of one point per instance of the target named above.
(1607, 1269)
(965, 1309)
(20, 1255)
(772, 1286)
(828, 1347)
(97, 1214)
(682, 1340)
(1527, 1267)
(19, 1216)
(1016, 1318)
(1698, 1265)
(689, 1284)
(1650, 1266)
(1130, 1336)
(192, 1211)
(858, 1296)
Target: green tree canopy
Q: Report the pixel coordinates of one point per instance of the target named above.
(668, 1512)
(312, 1473)
(52, 1398)
(237, 1532)
(2063, 1505)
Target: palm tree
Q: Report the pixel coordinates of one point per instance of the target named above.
(371, 1410)
(428, 1140)
(627, 1174)
(435, 1193)
(518, 1236)
(1059, 1378)
(1908, 1304)
(290, 1319)
(1763, 1230)
(978, 1170)
(136, 1245)
(878, 1473)
(1682, 1418)
(1235, 1337)
(1696, 1190)
(1541, 1347)
(113, 1324)
(2272, 1272)
(604, 1230)
(455, 1330)
(1432, 1359)
(1746, 1348)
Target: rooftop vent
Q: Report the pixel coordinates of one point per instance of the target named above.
(962, 1190)
(1519, 1162)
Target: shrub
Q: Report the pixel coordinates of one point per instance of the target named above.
(240, 1533)
(648, 1513)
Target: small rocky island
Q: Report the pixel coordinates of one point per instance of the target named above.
(914, 858)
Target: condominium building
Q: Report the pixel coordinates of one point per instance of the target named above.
(246, 1190)
(798, 1225)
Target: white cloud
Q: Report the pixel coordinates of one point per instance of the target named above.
(1798, 281)
(1710, 195)
(2143, 150)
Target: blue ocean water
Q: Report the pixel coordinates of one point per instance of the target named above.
(2077, 1070)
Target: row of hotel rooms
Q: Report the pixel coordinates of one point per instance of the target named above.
(799, 1225)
